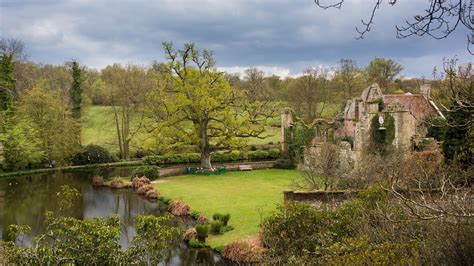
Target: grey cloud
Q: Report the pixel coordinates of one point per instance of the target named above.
(273, 33)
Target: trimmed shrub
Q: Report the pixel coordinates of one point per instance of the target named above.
(216, 216)
(151, 172)
(257, 155)
(179, 208)
(216, 227)
(284, 164)
(225, 218)
(152, 194)
(202, 219)
(244, 251)
(202, 231)
(98, 181)
(144, 189)
(189, 234)
(274, 153)
(138, 182)
(93, 154)
(216, 157)
(117, 182)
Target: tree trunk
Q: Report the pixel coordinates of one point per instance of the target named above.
(205, 148)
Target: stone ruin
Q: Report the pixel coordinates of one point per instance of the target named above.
(351, 129)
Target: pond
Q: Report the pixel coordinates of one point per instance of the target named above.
(24, 200)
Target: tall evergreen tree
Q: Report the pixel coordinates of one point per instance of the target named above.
(7, 81)
(76, 90)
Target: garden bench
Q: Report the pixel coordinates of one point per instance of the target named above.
(245, 167)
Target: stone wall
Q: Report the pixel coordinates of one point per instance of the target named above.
(319, 197)
(181, 169)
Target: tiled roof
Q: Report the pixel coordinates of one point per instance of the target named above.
(416, 104)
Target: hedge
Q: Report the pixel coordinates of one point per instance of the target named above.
(232, 156)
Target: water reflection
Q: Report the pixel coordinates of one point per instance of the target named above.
(24, 200)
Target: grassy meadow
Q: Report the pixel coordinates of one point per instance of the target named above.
(247, 196)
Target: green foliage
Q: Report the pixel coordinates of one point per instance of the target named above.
(194, 243)
(194, 92)
(224, 218)
(202, 230)
(383, 71)
(165, 200)
(298, 136)
(381, 140)
(155, 236)
(298, 228)
(216, 227)
(219, 248)
(51, 117)
(146, 170)
(75, 93)
(67, 197)
(93, 154)
(232, 156)
(22, 145)
(68, 240)
(195, 215)
(283, 163)
(7, 82)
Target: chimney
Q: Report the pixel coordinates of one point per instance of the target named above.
(425, 90)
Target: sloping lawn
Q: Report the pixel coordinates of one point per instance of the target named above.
(247, 196)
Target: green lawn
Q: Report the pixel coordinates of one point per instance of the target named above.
(247, 196)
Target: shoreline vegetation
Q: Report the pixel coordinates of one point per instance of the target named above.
(69, 168)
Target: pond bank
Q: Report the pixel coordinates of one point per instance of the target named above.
(69, 168)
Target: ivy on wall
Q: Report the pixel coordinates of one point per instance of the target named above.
(381, 140)
(297, 137)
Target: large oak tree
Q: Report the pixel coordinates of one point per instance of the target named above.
(196, 105)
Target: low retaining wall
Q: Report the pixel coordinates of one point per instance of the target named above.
(319, 197)
(181, 169)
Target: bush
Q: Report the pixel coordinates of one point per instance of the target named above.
(97, 181)
(189, 234)
(257, 155)
(202, 219)
(195, 215)
(93, 154)
(152, 194)
(274, 153)
(117, 182)
(202, 231)
(244, 251)
(216, 157)
(151, 172)
(140, 153)
(144, 189)
(216, 227)
(194, 243)
(225, 218)
(284, 164)
(179, 208)
(165, 200)
(140, 181)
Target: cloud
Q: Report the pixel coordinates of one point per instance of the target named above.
(282, 37)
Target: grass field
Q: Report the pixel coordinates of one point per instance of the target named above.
(247, 196)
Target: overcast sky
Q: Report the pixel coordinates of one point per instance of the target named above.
(281, 37)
